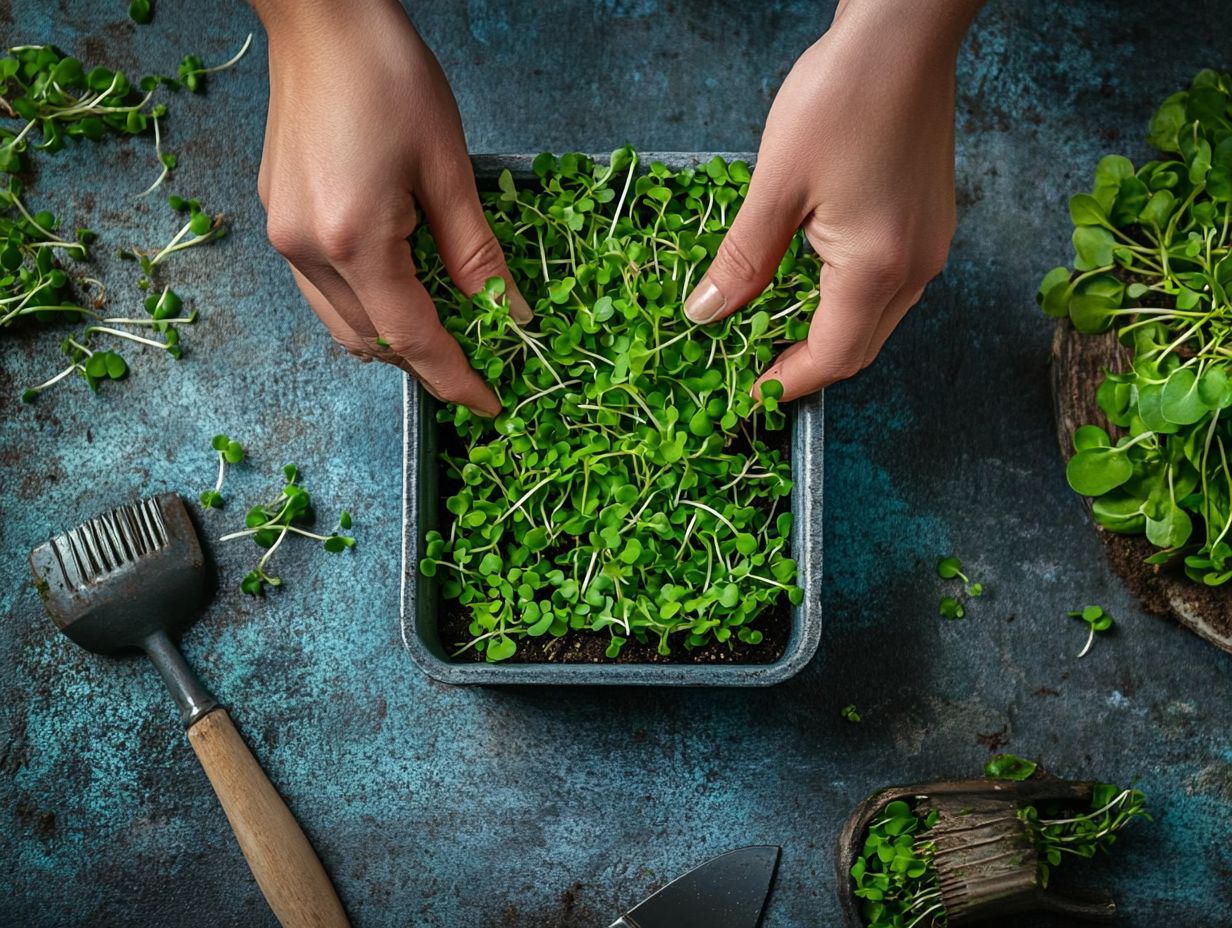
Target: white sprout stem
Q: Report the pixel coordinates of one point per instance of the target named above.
(158, 152)
(270, 552)
(233, 60)
(1089, 815)
(594, 555)
(222, 469)
(21, 208)
(543, 393)
(56, 379)
(129, 335)
(620, 204)
(525, 496)
(758, 577)
(718, 515)
(187, 320)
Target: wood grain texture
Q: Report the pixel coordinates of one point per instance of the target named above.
(1078, 365)
(286, 867)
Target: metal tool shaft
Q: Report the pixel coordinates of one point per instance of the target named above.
(192, 698)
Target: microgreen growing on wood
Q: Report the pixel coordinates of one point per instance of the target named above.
(268, 524)
(1097, 620)
(895, 877)
(229, 451)
(629, 487)
(1153, 261)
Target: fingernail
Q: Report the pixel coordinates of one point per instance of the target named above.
(704, 303)
(485, 413)
(519, 309)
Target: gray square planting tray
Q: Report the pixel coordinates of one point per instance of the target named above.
(421, 600)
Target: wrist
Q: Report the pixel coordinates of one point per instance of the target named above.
(300, 22)
(928, 31)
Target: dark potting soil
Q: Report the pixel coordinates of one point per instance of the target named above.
(586, 647)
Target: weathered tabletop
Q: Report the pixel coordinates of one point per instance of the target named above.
(446, 807)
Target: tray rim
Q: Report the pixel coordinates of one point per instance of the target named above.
(807, 503)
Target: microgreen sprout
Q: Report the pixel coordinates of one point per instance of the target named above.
(193, 72)
(630, 487)
(229, 451)
(1153, 262)
(850, 713)
(268, 524)
(1010, 767)
(951, 607)
(1097, 620)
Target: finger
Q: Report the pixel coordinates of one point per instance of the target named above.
(749, 253)
(470, 251)
(851, 304)
(342, 333)
(402, 312)
(893, 315)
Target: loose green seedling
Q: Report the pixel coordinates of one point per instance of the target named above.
(851, 714)
(270, 523)
(631, 486)
(1097, 621)
(951, 607)
(1010, 767)
(1153, 261)
(229, 451)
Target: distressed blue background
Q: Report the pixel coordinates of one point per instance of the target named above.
(442, 807)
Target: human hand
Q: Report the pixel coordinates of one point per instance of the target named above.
(362, 127)
(859, 149)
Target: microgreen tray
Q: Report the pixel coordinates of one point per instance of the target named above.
(421, 601)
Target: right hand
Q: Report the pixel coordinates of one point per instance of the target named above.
(362, 127)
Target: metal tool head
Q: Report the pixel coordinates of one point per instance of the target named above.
(728, 891)
(112, 582)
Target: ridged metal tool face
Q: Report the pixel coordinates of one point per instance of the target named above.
(103, 545)
(113, 580)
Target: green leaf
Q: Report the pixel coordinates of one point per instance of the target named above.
(1095, 471)
(1010, 767)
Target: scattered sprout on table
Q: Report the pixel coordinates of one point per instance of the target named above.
(850, 713)
(1097, 620)
(229, 451)
(268, 524)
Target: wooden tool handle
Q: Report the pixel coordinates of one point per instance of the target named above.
(285, 865)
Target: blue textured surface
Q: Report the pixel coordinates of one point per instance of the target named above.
(447, 807)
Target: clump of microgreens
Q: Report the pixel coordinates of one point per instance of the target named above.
(229, 451)
(1097, 620)
(38, 289)
(952, 607)
(851, 713)
(895, 873)
(199, 229)
(59, 97)
(630, 486)
(268, 524)
(1153, 259)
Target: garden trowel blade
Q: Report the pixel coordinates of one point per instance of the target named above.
(728, 891)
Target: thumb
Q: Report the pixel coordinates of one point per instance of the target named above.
(748, 256)
(470, 251)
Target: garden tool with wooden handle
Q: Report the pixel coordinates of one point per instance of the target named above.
(130, 579)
